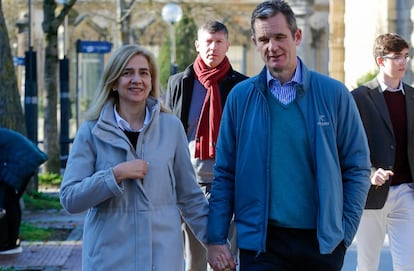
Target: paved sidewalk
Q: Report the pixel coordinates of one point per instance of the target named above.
(52, 255)
(385, 258)
(48, 256)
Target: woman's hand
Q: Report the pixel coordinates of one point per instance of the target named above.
(220, 259)
(133, 169)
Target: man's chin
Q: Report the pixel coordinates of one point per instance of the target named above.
(212, 64)
(274, 68)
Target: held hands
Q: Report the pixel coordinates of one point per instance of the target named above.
(133, 169)
(220, 258)
(380, 176)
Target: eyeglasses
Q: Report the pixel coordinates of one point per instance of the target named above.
(399, 59)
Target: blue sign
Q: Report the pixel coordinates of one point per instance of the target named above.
(93, 47)
(18, 61)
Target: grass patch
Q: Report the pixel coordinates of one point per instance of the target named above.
(49, 180)
(29, 232)
(40, 201)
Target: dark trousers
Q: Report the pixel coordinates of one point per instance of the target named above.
(292, 250)
(10, 223)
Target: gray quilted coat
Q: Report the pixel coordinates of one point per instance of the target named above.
(135, 225)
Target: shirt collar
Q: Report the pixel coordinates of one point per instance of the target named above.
(296, 79)
(124, 125)
(384, 87)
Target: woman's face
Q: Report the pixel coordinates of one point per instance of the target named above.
(134, 84)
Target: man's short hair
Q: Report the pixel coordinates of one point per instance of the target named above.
(389, 43)
(270, 8)
(213, 27)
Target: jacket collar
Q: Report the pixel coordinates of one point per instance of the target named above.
(261, 80)
(107, 126)
(377, 97)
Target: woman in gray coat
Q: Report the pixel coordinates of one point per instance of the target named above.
(130, 168)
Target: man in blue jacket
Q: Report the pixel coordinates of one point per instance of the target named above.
(292, 160)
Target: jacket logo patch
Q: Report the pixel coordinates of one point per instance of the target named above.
(322, 121)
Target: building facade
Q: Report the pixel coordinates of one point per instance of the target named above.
(337, 34)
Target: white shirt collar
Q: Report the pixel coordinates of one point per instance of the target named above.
(297, 75)
(124, 125)
(384, 87)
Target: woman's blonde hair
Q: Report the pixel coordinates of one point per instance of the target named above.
(113, 69)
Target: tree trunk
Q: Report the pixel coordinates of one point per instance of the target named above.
(51, 144)
(50, 112)
(50, 26)
(124, 21)
(11, 111)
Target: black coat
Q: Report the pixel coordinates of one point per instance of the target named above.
(378, 127)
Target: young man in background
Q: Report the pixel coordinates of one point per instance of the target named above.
(386, 106)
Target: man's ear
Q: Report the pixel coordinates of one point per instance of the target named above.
(196, 45)
(379, 60)
(298, 36)
(253, 40)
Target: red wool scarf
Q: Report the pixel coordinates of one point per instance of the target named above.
(209, 121)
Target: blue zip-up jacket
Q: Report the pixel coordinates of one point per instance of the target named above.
(242, 172)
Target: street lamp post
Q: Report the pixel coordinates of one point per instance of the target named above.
(171, 13)
(30, 95)
(31, 92)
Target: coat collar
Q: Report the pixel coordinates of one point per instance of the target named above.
(261, 79)
(107, 128)
(409, 101)
(377, 97)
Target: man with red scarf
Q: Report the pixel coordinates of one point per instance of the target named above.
(197, 96)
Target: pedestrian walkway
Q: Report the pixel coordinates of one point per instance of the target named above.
(48, 256)
(53, 255)
(351, 258)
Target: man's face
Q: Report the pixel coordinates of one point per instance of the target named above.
(212, 47)
(273, 40)
(394, 65)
